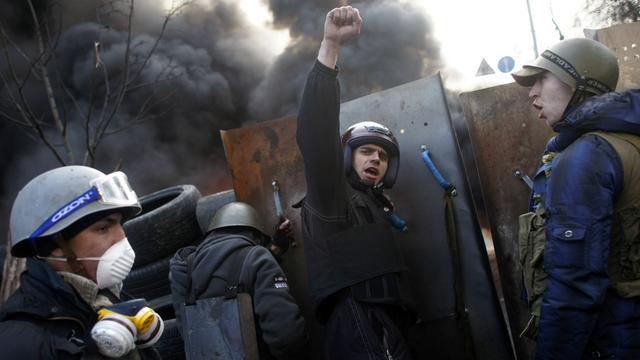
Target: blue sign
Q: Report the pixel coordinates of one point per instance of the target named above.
(506, 64)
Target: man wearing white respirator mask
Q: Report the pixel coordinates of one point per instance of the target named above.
(67, 222)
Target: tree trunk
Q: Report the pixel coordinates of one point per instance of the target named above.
(13, 267)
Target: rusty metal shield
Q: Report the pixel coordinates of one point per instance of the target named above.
(623, 39)
(505, 135)
(257, 155)
(418, 115)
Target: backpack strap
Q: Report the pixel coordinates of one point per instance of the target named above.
(627, 146)
(190, 298)
(234, 287)
(632, 139)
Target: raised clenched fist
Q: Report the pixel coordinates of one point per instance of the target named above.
(342, 24)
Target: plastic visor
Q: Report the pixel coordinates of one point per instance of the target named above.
(112, 189)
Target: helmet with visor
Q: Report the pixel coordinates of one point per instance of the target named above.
(369, 132)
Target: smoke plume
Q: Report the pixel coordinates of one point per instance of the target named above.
(396, 46)
(216, 76)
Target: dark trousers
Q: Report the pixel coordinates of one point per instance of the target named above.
(357, 330)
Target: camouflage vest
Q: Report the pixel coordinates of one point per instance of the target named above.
(624, 249)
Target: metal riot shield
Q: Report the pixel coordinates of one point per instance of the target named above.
(219, 328)
(623, 40)
(506, 137)
(417, 113)
(258, 155)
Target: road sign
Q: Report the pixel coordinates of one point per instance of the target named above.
(506, 64)
(484, 68)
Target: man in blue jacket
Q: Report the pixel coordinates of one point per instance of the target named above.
(580, 242)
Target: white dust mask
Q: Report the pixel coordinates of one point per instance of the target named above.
(114, 265)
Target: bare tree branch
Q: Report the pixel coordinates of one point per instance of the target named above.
(128, 81)
(615, 11)
(52, 42)
(47, 83)
(103, 123)
(107, 92)
(19, 51)
(163, 76)
(168, 17)
(21, 104)
(24, 55)
(553, 20)
(93, 139)
(15, 120)
(34, 123)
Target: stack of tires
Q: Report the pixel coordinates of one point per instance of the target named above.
(171, 218)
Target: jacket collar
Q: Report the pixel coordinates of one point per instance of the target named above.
(612, 112)
(88, 290)
(44, 294)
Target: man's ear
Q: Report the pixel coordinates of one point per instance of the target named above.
(57, 252)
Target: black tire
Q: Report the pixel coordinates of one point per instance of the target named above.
(170, 345)
(149, 281)
(167, 222)
(163, 306)
(208, 205)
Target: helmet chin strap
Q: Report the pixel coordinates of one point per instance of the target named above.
(370, 184)
(579, 95)
(76, 266)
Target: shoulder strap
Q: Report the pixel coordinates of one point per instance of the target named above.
(233, 288)
(190, 298)
(627, 146)
(358, 207)
(630, 138)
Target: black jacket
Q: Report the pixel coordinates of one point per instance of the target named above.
(46, 319)
(348, 239)
(280, 324)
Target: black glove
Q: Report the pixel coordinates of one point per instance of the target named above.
(282, 235)
(281, 240)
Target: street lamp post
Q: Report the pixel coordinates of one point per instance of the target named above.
(533, 32)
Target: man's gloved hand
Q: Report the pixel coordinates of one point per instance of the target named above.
(123, 326)
(281, 238)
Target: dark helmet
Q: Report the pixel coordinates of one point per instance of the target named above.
(237, 214)
(369, 132)
(586, 65)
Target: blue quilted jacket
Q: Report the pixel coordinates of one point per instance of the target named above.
(582, 317)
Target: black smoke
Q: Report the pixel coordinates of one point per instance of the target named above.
(396, 46)
(219, 79)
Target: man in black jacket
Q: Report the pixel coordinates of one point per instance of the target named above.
(67, 223)
(230, 257)
(357, 276)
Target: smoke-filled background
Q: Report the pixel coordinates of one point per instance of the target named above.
(223, 73)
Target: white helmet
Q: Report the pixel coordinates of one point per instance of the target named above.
(58, 198)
